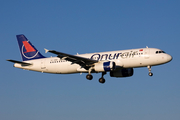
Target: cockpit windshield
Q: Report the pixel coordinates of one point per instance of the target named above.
(158, 52)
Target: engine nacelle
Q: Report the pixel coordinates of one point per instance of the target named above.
(125, 72)
(105, 66)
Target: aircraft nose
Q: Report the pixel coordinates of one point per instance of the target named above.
(169, 58)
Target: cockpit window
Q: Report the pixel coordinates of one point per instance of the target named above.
(157, 52)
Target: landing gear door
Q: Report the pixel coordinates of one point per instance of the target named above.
(146, 53)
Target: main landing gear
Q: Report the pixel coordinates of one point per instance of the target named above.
(150, 73)
(89, 76)
(101, 80)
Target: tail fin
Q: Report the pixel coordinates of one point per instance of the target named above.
(27, 50)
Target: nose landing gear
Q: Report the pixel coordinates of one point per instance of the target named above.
(150, 73)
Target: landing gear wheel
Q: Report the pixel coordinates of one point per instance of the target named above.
(89, 77)
(150, 74)
(101, 80)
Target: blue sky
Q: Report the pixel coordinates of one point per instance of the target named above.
(85, 26)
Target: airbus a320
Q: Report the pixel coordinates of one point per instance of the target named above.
(117, 63)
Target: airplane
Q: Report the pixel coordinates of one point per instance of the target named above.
(118, 63)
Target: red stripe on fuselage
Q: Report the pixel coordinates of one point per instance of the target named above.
(28, 47)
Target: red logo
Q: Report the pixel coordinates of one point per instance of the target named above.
(28, 47)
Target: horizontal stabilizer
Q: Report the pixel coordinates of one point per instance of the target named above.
(19, 62)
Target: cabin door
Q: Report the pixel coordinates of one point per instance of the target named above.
(146, 53)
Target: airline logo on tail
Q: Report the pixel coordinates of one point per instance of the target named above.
(28, 51)
(28, 47)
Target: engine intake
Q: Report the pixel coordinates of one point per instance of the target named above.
(125, 72)
(105, 66)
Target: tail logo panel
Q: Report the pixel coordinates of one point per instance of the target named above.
(28, 47)
(28, 51)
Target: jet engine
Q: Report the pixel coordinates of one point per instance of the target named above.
(125, 72)
(105, 66)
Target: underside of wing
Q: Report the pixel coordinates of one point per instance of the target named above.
(82, 61)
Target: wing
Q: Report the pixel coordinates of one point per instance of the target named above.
(83, 62)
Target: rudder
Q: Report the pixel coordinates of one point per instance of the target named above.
(27, 50)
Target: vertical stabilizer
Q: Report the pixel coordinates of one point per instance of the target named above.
(27, 50)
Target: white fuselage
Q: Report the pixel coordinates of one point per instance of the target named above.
(124, 59)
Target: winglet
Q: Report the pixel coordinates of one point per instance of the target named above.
(46, 50)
